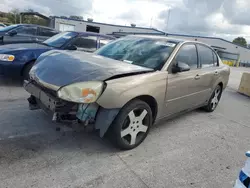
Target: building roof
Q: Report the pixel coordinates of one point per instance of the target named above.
(36, 14)
(195, 36)
(146, 28)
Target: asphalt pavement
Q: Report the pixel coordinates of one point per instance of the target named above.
(195, 150)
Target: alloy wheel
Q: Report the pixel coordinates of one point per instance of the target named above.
(135, 126)
(216, 98)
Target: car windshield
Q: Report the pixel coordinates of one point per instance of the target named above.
(8, 28)
(60, 39)
(142, 51)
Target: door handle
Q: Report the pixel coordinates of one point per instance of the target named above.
(216, 73)
(197, 77)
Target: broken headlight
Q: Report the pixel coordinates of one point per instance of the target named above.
(83, 92)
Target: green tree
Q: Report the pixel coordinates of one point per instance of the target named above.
(241, 41)
(13, 16)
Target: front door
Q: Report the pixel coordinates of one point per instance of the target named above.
(185, 90)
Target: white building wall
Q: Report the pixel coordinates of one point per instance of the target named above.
(104, 28)
(230, 47)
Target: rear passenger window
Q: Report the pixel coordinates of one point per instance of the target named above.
(188, 54)
(206, 56)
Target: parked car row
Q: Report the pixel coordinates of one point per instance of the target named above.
(16, 60)
(20, 33)
(127, 85)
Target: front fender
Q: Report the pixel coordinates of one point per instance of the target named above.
(120, 91)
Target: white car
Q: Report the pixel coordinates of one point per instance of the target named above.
(244, 177)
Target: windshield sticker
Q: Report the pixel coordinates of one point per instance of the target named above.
(127, 61)
(166, 44)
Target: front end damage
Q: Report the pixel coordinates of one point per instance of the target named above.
(68, 112)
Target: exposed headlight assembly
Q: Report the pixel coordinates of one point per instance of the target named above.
(83, 92)
(6, 57)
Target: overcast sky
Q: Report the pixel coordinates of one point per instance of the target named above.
(221, 18)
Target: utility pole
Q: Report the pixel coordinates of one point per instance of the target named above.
(169, 11)
(151, 22)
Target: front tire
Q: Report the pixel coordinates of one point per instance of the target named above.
(214, 99)
(132, 125)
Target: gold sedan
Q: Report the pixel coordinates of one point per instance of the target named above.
(127, 85)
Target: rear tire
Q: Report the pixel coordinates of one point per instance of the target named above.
(214, 99)
(132, 125)
(26, 70)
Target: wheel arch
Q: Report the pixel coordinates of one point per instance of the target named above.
(151, 101)
(105, 117)
(26, 64)
(221, 84)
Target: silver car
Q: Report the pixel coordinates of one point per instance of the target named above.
(128, 85)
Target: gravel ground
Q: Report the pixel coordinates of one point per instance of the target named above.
(197, 149)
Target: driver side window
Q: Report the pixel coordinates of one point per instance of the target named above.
(188, 54)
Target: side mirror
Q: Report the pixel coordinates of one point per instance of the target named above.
(180, 67)
(72, 47)
(12, 33)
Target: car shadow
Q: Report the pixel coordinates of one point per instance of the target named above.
(65, 140)
(10, 82)
(83, 143)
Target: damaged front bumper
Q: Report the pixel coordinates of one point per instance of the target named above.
(64, 111)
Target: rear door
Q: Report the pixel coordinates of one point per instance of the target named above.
(24, 34)
(208, 62)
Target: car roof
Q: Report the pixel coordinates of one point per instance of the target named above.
(34, 25)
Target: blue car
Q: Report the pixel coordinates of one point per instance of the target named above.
(16, 60)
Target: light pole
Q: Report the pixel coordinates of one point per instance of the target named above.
(169, 11)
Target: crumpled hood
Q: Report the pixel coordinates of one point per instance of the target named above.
(8, 48)
(60, 68)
